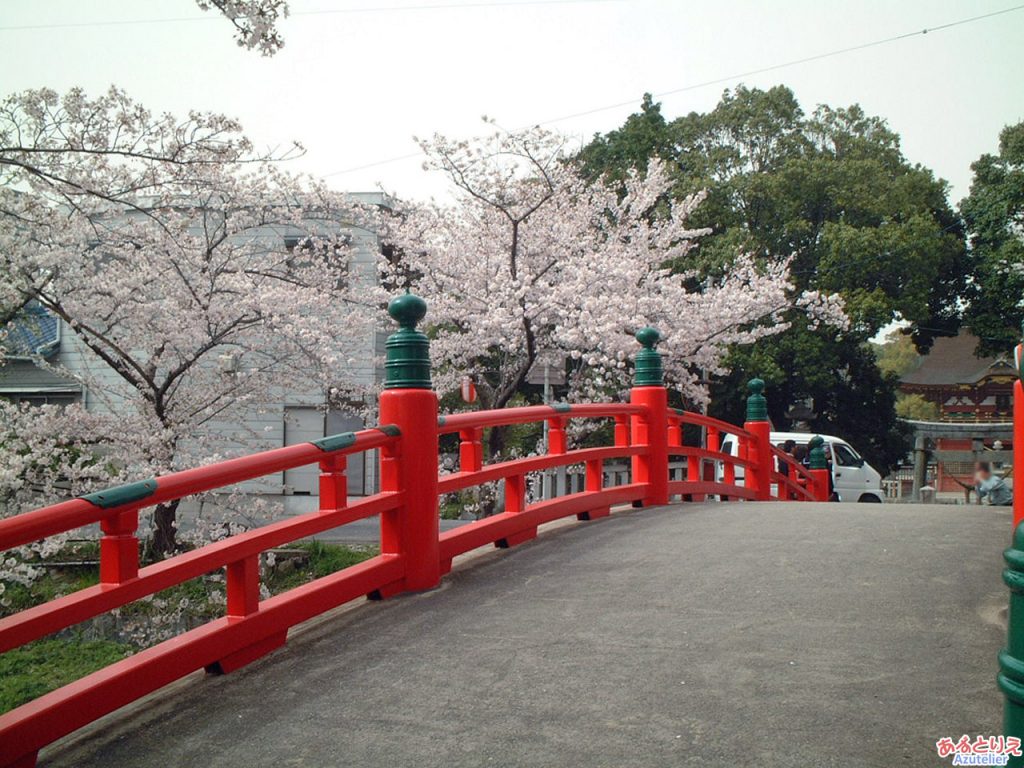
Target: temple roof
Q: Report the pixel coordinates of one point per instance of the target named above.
(35, 331)
(952, 361)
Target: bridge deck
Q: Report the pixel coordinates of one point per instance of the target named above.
(710, 634)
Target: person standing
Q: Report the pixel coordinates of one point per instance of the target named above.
(992, 486)
(787, 447)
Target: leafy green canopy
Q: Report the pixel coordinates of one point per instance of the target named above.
(994, 214)
(834, 191)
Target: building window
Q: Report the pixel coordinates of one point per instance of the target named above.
(42, 398)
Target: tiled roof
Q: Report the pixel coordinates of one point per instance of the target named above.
(33, 332)
(952, 361)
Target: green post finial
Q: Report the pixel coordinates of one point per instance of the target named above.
(648, 371)
(757, 404)
(816, 453)
(408, 350)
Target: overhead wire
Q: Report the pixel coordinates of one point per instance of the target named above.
(720, 80)
(316, 12)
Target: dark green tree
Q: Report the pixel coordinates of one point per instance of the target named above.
(834, 191)
(851, 397)
(994, 215)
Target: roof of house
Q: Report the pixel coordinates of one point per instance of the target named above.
(952, 361)
(33, 332)
(23, 377)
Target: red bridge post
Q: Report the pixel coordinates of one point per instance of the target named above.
(119, 548)
(650, 429)
(1018, 442)
(759, 451)
(411, 466)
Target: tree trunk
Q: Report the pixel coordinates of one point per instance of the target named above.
(165, 532)
(496, 435)
(496, 443)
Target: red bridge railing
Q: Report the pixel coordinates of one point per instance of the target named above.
(414, 553)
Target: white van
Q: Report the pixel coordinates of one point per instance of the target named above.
(852, 477)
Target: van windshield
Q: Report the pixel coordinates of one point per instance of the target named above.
(845, 455)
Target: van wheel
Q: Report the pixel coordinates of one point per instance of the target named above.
(868, 498)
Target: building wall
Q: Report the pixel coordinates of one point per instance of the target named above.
(990, 399)
(262, 427)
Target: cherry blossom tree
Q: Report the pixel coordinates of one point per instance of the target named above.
(199, 280)
(255, 22)
(77, 152)
(531, 260)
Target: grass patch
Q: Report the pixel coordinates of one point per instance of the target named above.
(318, 560)
(45, 665)
(55, 582)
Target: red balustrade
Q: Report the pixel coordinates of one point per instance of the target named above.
(414, 553)
(798, 484)
(250, 627)
(697, 486)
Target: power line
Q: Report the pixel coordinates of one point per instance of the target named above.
(792, 63)
(321, 12)
(720, 80)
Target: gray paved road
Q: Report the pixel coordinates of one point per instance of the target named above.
(712, 635)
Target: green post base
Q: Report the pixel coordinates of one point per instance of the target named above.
(1011, 658)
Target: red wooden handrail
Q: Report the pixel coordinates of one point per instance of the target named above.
(40, 620)
(509, 528)
(701, 453)
(23, 731)
(703, 488)
(699, 419)
(457, 481)
(251, 627)
(794, 465)
(799, 481)
(69, 515)
(803, 490)
(502, 417)
(414, 553)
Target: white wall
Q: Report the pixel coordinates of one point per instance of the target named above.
(262, 427)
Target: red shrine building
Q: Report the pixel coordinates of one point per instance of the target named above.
(965, 387)
(975, 398)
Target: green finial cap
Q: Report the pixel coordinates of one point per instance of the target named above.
(408, 350)
(816, 453)
(648, 371)
(757, 405)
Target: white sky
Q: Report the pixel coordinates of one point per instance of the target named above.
(354, 87)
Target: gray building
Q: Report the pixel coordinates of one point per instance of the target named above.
(37, 342)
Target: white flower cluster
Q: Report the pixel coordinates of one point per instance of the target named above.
(533, 261)
(255, 22)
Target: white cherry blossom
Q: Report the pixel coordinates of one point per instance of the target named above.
(532, 260)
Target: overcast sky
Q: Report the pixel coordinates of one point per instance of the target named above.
(355, 86)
